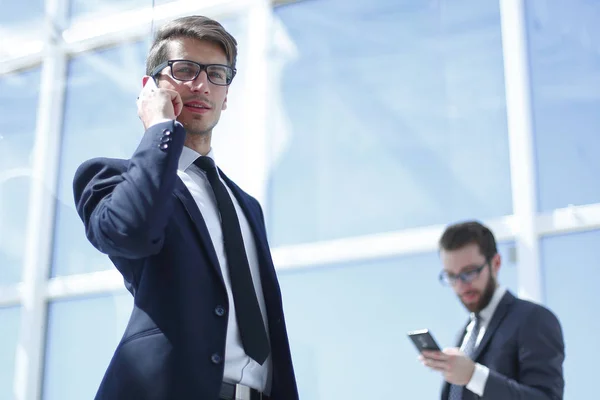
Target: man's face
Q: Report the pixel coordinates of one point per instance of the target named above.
(474, 295)
(202, 100)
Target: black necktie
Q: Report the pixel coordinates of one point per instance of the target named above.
(249, 318)
(456, 391)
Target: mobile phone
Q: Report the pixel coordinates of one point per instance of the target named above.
(423, 340)
(151, 83)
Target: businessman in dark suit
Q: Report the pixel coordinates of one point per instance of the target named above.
(511, 348)
(191, 245)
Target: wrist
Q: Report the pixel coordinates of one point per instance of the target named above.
(156, 121)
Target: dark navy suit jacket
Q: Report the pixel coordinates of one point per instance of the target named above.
(141, 214)
(523, 348)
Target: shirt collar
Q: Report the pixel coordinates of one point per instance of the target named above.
(188, 156)
(487, 313)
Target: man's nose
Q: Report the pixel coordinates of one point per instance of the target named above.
(201, 84)
(460, 286)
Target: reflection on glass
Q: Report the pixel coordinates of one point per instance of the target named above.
(82, 336)
(100, 121)
(386, 115)
(565, 74)
(18, 102)
(9, 332)
(365, 309)
(571, 277)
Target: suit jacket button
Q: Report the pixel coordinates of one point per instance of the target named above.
(165, 139)
(216, 359)
(166, 132)
(220, 311)
(164, 146)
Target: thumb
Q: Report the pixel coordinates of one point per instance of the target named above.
(451, 350)
(177, 103)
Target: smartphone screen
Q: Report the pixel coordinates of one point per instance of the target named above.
(423, 340)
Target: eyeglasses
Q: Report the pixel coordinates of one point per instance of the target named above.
(186, 70)
(469, 276)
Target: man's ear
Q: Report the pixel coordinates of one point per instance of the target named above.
(224, 107)
(496, 263)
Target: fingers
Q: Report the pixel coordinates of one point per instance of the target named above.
(441, 366)
(452, 351)
(158, 104)
(435, 355)
(177, 102)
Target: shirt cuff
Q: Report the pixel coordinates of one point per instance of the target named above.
(478, 380)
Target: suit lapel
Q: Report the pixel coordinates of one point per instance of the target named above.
(497, 318)
(184, 195)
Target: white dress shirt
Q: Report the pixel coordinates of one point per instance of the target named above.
(239, 368)
(481, 373)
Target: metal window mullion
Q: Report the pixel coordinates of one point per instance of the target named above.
(520, 133)
(42, 200)
(570, 219)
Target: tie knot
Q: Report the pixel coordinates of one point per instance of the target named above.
(205, 163)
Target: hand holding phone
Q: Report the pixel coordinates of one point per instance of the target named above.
(423, 340)
(156, 104)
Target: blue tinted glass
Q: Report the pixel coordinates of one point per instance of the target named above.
(18, 102)
(100, 121)
(571, 279)
(422, 141)
(21, 28)
(9, 332)
(83, 334)
(565, 74)
(362, 311)
(20, 14)
(86, 8)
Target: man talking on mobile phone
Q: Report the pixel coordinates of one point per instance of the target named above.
(207, 321)
(510, 349)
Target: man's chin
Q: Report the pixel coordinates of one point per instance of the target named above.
(197, 127)
(472, 307)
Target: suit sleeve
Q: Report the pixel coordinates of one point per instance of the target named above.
(125, 210)
(541, 356)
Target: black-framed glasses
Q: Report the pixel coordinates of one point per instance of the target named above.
(186, 70)
(468, 276)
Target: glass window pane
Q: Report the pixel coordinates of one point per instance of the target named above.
(571, 277)
(85, 8)
(16, 14)
(100, 121)
(366, 309)
(82, 332)
(565, 75)
(9, 336)
(421, 142)
(18, 102)
(21, 22)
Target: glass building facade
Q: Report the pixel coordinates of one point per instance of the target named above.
(362, 127)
